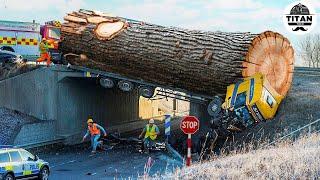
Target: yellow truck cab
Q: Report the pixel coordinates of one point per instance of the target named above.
(247, 102)
(253, 99)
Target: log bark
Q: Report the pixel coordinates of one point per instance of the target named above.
(197, 61)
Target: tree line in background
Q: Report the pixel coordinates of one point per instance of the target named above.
(310, 50)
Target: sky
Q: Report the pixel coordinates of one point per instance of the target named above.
(209, 15)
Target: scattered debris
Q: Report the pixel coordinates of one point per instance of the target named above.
(91, 174)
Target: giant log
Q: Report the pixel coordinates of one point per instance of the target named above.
(197, 61)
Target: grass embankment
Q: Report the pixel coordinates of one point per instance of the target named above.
(285, 160)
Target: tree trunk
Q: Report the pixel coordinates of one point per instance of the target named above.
(196, 61)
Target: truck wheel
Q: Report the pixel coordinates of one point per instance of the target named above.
(146, 91)
(214, 106)
(44, 173)
(8, 177)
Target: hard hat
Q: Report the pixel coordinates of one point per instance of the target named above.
(89, 121)
(151, 121)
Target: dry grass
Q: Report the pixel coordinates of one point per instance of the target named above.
(298, 160)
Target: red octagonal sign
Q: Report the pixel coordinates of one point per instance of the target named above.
(189, 124)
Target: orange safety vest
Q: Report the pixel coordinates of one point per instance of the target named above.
(94, 130)
(43, 48)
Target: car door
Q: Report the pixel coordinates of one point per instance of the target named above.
(5, 164)
(17, 165)
(29, 163)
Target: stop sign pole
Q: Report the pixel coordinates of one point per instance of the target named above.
(189, 144)
(189, 125)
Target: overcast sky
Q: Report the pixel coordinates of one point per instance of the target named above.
(210, 15)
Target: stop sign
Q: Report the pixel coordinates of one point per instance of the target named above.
(189, 124)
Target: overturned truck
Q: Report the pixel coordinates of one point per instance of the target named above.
(198, 62)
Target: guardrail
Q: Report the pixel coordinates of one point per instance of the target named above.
(307, 71)
(308, 127)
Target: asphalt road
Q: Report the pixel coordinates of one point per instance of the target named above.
(122, 162)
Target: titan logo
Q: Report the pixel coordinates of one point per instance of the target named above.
(299, 18)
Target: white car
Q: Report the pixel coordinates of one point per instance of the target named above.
(17, 163)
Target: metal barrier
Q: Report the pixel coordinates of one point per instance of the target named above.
(308, 126)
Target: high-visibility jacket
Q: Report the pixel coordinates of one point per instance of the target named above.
(94, 130)
(150, 132)
(43, 47)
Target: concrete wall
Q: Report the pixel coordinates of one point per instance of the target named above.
(68, 98)
(82, 97)
(31, 93)
(36, 133)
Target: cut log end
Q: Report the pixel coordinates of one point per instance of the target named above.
(271, 54)
(107, 30)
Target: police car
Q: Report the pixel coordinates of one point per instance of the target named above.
(17, 163)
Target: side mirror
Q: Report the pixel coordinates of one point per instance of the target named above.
(36, 158)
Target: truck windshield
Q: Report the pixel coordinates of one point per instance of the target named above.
(54, 33)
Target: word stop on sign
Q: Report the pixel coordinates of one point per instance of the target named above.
(189, 125)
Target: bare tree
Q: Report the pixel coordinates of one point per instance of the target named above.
(310, 50)
(317, 50)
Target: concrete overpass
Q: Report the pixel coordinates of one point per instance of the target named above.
(63, 99)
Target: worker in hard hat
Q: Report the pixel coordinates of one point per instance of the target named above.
(44, 52)
(151, 132)
(94, 130)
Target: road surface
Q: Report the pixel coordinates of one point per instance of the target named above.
(122, 162)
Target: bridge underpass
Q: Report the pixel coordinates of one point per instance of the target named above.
(62, 99)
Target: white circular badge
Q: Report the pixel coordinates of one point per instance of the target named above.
(300, 17)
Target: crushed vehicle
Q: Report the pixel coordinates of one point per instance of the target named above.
(247, 103)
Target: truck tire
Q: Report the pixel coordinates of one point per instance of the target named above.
(146, 91)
